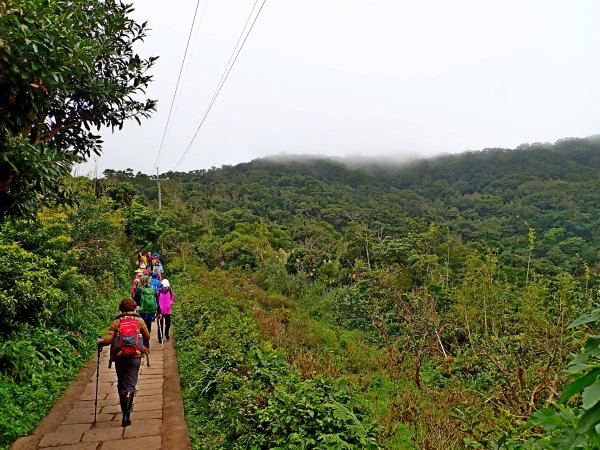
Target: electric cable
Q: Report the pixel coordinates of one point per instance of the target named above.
(224, 77)
(177, 84)
(186, 70)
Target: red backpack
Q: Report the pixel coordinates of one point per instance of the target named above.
(128, 341)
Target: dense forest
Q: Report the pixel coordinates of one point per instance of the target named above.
(440, 290)
(321, 303)
(494, 198)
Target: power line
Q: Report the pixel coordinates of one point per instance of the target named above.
(186, 70)
(178, 80)
(224, 76)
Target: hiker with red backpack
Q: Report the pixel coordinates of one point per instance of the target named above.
(125, 336)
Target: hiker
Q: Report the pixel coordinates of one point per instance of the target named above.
(165, 300)
(158, 272)
(136, 279)
(155, 260)
(145, 298)
(155, 282)
(157, 266)
(127, 352)
(149, 261)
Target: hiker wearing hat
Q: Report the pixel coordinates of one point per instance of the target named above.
(165, 300)
(136, 279)
(125, 336)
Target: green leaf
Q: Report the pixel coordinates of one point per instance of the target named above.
(578, 367)
(589, 419)
(592, 345)
(594, 437)
(591, 395)
(570, 440)
(546, 418)
(578, 385)
(586, 318)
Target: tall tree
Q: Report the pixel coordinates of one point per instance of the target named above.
(65, 66)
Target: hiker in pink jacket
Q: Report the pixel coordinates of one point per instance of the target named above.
(165, 300)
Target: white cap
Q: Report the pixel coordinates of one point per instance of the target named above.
(165, 283)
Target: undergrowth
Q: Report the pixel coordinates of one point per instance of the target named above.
(61, 278)
(241, 393)
(37, 364)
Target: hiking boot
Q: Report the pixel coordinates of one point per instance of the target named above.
(122, 401)
(127, 412)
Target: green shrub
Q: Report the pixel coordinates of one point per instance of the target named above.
(240, 393)
(28, 291)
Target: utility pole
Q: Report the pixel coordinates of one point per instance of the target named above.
(96, 176)
(158, 180)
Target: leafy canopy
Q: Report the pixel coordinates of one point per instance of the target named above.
(65, 67)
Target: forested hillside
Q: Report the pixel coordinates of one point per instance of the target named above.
(439, 291)
(493, 197)
(449, 303)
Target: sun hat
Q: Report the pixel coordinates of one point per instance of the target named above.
(165, 283)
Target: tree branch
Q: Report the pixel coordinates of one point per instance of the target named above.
(56, 129)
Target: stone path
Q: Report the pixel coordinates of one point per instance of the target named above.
(74, 428)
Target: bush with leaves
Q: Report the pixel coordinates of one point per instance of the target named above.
(240, 393)
(53, 304)
(572, 422)
(141, 225)
(65, 67)
(575, 421)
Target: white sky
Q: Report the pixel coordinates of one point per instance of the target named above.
(379, 77)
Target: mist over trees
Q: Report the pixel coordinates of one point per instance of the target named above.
(445, 292)
(445, 303)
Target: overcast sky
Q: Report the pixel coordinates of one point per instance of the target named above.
(358, 77)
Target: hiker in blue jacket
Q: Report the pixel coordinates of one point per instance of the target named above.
(155, 283)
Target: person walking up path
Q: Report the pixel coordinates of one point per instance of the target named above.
(165, 301)
(125, 337)
(145, 297)
(159, 422)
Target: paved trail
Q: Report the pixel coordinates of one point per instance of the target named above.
(157, 416)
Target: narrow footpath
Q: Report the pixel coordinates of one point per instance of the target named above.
(157, 416)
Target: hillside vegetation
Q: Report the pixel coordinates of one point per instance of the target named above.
(446, 303)
(440, 291)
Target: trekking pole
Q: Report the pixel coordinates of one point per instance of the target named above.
(148, 358)
(161, 333)
(97, 380)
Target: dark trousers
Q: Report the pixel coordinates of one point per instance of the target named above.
(165, 323)
(127, 374)
(148, 323)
